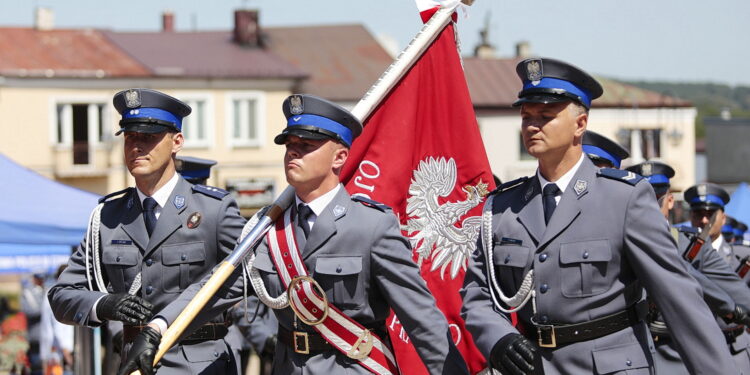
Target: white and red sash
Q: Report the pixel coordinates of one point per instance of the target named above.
(341, 331)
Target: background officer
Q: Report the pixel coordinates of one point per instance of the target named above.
(194, 170)
(147, 243)
(724, 292)
(360, 259)
(572, 248)
(706, 200)
(603, 152)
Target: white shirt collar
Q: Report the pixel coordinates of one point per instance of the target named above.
(320, 203)
(718, 243)
(162, 195)
(563, 182)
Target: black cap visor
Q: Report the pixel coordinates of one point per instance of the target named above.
(541, 98)
(705, 206)
(146, 126)
(306, 132)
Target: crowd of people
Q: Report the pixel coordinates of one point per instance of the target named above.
(581, 252)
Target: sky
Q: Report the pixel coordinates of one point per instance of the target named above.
(662, 40)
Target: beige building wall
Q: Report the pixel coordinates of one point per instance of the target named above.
(501, 135)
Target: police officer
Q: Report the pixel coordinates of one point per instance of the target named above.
(705, 200)
(727, 230)
(723, 291)
(571, 249)
(148, 243)
(356, 255)
(603, 152)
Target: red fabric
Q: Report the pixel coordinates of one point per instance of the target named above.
(429, 114)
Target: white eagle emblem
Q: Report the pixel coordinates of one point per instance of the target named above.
(431, 226)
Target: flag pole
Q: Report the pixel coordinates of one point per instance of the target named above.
(362, 111)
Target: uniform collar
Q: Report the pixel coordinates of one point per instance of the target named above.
(718, 243)
(320, 203)
(563, 182)
(162, 195)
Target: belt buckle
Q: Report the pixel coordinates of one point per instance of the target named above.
(297, 341)
(546, 336)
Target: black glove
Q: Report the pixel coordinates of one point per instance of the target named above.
(141, 354)
(126, 308)
(513, 355)
(741, 315)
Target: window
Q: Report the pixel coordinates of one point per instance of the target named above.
(245, 119)
(643, 144)
(79, 125)
(197, 128)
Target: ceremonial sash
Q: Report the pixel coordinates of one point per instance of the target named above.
(309, 303)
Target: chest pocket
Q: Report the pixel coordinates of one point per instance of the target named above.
(510, 261)
(121, 266)
(182, 265)
(583, 268)
(341, 278)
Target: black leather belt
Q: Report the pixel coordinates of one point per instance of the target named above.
(208, 331)
(304, 342)
(557, 335)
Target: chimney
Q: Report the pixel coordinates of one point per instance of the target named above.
(167, 22)
(246, 29)
(523, 49)
(44, 19)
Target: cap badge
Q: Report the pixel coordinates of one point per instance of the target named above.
(580, 187)
(534, 71)
(296, 107)
(646, 170)
(338, 210)
(702, 190)
(132, 99)
(194, 220)
(179, 201)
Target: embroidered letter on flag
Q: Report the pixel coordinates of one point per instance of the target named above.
(422, 154)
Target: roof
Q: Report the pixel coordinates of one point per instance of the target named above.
(344, 60)
(493, 83)
(202, 54)
(28, 52)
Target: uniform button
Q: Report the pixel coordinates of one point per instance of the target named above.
(118, 258)
(183, 257)
(79, 316)
(149, 262)
(629, 362)
(216, 354)
(507, 259)
(542, 257)
(338, 269)
(544, 288)
(544, 319)
(585, 255)
(149, 289)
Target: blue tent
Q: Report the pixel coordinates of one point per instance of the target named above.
(739, 204)
(40, 219)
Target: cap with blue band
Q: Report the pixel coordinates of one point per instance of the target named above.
(561, 85)
(312, 117)
(706, 196)
(597, 146)
(600, 152)
(548, 80)
(153, 114)
(322, 123)
(149, 111)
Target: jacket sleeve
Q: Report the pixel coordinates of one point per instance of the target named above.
(397, 276)
(651, 251)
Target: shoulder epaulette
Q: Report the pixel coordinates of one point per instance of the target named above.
(689, 230)
(509, 185)
(211, 191)
(112, 195)
(620, 175)
(371, 203)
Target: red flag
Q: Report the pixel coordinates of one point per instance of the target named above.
(422, 154)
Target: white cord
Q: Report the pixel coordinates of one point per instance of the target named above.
(525, 292)
(248, 271)
(91, 246)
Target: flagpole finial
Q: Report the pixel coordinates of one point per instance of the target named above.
(468, 2)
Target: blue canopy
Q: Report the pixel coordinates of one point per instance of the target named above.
(739, 204)
(40, 219)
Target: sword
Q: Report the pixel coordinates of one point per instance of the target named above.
(698, 242)
(744, 267)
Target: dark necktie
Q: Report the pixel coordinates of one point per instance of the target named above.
(149, 215)
(303, 215)
(548, 195)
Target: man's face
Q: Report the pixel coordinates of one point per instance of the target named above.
(307, 162)
(666, 203)
(699, 219)
(149, 154)
(550, 128)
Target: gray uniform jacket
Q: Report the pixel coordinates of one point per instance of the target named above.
(249, 333)
(174, 257)
(605, 242)
(358, 255)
